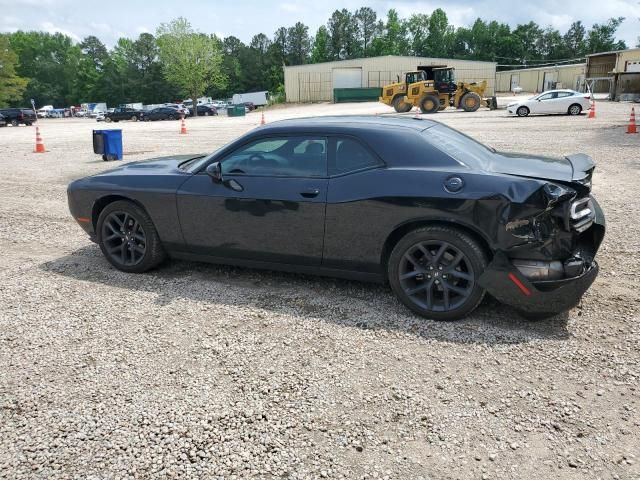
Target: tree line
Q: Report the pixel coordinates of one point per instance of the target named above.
(178, 62)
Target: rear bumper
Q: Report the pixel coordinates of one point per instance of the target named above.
(505, 282)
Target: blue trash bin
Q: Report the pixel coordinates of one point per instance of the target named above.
(108, 143)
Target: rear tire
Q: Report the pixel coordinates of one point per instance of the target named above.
(429, 103)
(14, 123)
(575, 109)
(128, 239)
(134, 118)
(522, 111)
(470, 102)
(434, 272)
(400, 106)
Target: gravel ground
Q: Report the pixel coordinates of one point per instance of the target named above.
(199, 371)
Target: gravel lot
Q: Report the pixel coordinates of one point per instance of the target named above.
(199, 371)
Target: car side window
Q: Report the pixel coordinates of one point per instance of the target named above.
(294, 156)
(564, 94)
(350, 156)
(547, 96)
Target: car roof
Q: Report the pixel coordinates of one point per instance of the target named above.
(559, 90)
(349, 122)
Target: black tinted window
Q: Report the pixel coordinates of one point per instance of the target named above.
(351, 155)
(299, 156)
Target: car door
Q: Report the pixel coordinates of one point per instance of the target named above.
(562, 102)
(545, 103)
(269, 206)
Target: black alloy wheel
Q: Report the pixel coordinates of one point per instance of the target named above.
(124, 239)
(128, 238)
(434, 272)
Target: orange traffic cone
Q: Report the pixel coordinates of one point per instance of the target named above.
(39, 144)
(592, 110)
(632, 122)
(183, 127)
(262, 122)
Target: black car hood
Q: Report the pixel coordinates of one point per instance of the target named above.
(154, 166)
(571, 168)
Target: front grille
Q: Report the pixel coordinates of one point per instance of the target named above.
(581, 214)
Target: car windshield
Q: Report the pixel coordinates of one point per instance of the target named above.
(458, 146)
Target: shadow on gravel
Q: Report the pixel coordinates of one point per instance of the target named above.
(352, 304)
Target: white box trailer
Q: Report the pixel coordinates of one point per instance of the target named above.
(257, 98)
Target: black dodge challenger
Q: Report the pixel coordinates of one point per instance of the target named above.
(438, 215)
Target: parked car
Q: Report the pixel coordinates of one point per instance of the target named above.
(162, 113)
(180, 108)
(123, 113)
(3, 122)
(44, 111)
(568, 102)
(16, 116)
(206, 110)
(447, 218)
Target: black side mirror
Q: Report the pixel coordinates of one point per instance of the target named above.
(214, 170)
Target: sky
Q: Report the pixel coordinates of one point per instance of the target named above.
(111, 19)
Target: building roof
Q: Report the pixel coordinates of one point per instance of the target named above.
(614, 51)
(364, 59)
(548, 67)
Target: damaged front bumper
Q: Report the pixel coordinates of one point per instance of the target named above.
(534, 280)
(508, 285)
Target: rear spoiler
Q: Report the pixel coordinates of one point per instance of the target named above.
(582, 166)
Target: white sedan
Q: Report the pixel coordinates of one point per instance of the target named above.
(568, 102)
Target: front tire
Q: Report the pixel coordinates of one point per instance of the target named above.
(470, 102)
(108, 120)
(434, 271)
(134, 118)
(522, 111)
(14, 123)
(429, 103)
(574, 109)
(128, 239)
(400, 106)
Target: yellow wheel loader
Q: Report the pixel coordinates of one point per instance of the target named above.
(436, 89)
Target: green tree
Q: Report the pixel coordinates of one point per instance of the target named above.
(343, 31)
(321, 51)
(298, 44)
(526, 47)
(90, 82)
(440, 39)
(393, 41)
(574, 40)
(601, 37)
(12, 86)
(50, 62)
(368, 28)
(418, 31)
(190, 60)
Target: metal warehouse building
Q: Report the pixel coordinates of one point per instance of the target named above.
(542, 78)
(315, 82)
(616, 73)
